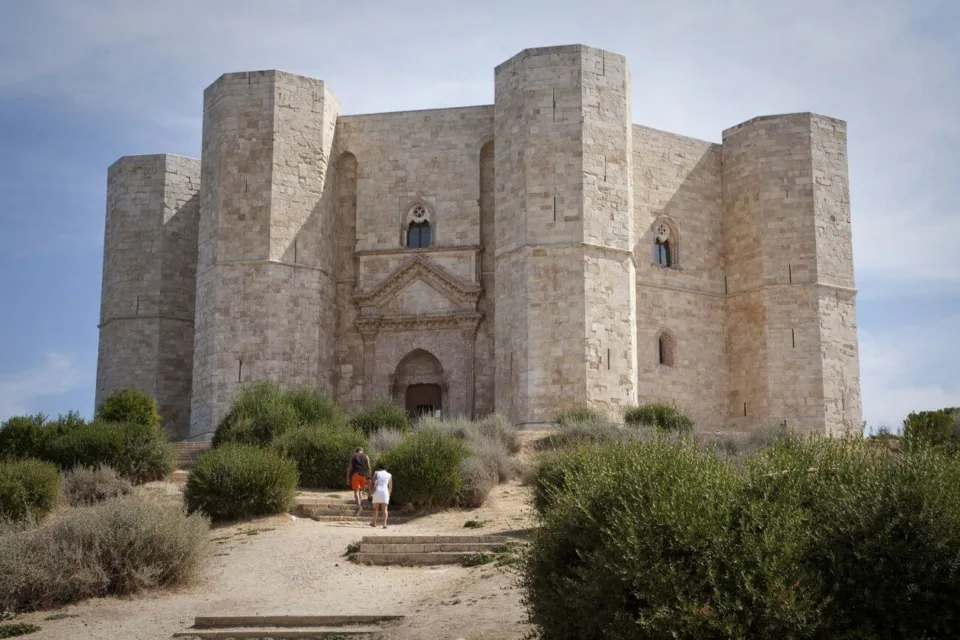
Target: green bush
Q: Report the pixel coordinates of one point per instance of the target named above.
(146, 456)
(24, 437)
(814, 538)
(490, 440)
(595, 433)
(313, 407)
(28, 489)
(17, 629)
(264, 411)
(426, 469)
(626, 547)
(89, 445)
(938, 428)
(881, 539)
(321, 455)
(129, 405)
(581, 414)
(383, 413)
(83, 486)
(237, 481)
(114, 548)
(658, 415)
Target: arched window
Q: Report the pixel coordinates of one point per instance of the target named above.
(418, 228)
(667, 349)
(664, 244)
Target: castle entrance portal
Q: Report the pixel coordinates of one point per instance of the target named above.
(424, 399)
(420, 384)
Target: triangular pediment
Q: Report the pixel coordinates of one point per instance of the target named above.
(416, 287)
(419, 297)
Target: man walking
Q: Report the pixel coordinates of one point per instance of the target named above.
(357, 473)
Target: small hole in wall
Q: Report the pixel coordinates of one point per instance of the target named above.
(608, 359)
(744, 409)
(239, 370)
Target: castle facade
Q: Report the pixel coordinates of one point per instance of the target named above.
(522, 257)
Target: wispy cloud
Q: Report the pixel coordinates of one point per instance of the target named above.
(21, 392)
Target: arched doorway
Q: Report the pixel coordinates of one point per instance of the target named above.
(419, 384)
(424, 400)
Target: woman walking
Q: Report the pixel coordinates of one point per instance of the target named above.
(382, 488)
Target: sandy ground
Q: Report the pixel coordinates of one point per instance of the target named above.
(286, 565)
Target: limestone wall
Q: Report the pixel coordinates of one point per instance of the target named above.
(563, 210)
(149, 271)
(265, 284)
(791, 342)
(677, 180)
(407, 157)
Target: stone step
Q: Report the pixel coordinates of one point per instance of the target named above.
(360, 518)
(217, 622)
(330, 506)
(275, 633)
(188, 452)
(434, 539)
(413, 559)
(464, 547)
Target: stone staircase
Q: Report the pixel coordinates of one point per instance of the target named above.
(188, 452)
(425, 550)
(323, 509)
(237, 627)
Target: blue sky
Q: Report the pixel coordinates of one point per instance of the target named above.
(83, 82)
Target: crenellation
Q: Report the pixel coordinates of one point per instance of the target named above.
(522, 257)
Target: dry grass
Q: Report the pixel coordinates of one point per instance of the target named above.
(740, 446)
(117, 547)
(83, 486)
(381, 441)
(478, 481)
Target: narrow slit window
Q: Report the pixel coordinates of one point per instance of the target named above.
(666, 350)
(661, 253)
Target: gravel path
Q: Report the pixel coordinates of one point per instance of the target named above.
(286, 565)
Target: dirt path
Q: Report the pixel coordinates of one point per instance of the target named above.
(286, 566)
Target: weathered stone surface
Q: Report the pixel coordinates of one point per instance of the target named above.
(283, 255)
(149, 282)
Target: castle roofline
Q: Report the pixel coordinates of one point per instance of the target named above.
(147, 157)
(262, 73)
(782, 116)
(414, 111)
(564, 48)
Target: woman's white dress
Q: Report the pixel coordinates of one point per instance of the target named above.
(381, 484)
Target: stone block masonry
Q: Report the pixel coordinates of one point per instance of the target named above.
(149, 282)
(522, 257)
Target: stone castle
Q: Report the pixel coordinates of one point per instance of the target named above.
(522, 257)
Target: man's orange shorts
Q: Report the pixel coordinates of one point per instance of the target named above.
(358, 482)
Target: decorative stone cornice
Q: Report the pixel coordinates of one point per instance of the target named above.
(418, 267)
(375, 324)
